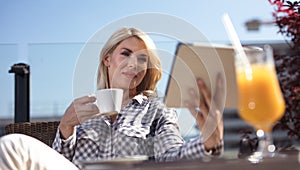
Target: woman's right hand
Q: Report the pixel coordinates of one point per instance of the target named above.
(80, 110)
(209, 115)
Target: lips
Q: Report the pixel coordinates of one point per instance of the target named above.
(130, 75)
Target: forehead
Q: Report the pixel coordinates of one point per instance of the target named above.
(133, 44)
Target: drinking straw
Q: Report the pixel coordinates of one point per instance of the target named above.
(269, 54)
(236, 42)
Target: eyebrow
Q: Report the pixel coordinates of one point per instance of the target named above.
(127, 49)
(145, 55)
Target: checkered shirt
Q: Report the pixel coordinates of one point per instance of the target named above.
(144, 127)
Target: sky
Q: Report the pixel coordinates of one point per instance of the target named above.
(76, 21)
(50, 36)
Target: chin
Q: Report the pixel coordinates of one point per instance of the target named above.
(126, 84)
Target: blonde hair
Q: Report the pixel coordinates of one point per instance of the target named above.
(154, 70)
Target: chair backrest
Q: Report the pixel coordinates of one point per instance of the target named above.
(43, 131)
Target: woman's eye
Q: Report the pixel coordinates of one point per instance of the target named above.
(142, 59)
(127, 54)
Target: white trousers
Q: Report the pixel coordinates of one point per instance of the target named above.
(21, 152)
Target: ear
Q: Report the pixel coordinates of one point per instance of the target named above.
(106, 61)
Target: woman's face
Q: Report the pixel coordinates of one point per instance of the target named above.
(127, 65)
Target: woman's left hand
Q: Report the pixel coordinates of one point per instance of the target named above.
(207, 112)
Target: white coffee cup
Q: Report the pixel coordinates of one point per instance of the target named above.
(109, 101)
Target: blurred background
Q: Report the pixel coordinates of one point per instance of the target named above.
(49, 36)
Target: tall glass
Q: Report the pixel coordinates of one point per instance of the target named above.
(261, 103)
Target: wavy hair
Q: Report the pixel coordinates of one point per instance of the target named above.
(154, 69)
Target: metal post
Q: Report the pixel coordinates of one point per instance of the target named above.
(22, 102)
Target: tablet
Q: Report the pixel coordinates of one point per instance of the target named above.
(201, 60)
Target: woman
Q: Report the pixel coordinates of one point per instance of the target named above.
(144, 125)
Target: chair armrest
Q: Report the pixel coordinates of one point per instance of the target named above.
(43, 131)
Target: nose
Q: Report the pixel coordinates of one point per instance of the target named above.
(132, 61)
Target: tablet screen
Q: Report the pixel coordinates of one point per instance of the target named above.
(205, 61)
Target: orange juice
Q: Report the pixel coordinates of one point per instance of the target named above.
(260, 99)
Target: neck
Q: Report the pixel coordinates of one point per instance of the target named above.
(127, 96)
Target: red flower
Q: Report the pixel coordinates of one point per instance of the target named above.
(287, 18)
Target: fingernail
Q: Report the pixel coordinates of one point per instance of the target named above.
(200, 81)
(92, 95)
(191, 91)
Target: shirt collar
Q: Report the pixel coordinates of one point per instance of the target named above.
(139, 98)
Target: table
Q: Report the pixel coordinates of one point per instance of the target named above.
(291, 162)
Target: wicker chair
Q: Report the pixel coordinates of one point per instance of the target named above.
(43, 131)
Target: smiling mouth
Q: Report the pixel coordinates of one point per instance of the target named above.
(130, 75)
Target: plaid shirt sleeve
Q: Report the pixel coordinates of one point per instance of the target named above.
(80, 146)
(169, 146)
(64, 147)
